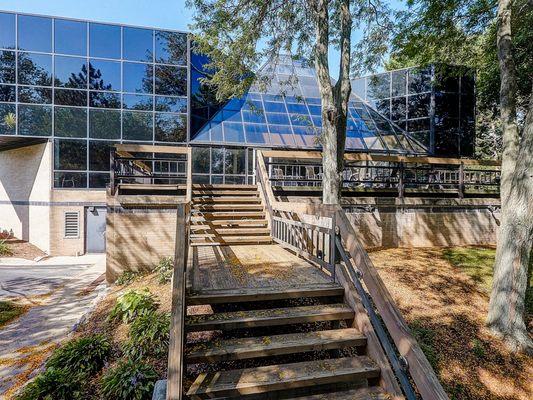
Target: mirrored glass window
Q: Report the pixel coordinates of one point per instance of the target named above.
(138, 78)
(233, 132)
(104, 100)
(170, 127)
(70, 180)
(70, 72)
(200, 160)
(170, 47)
(99, 155)
(34, 33)
(171, 104)
(171, 81)
(8, 119)
(104, 75)
(104, 41)
(399, 83)
(70, 37)
(70, 154)
(7, 31)
(379, 86)
(35, 95)
(35, 120)
(256, 133)
(7, 67)
(138, 44)
(98, 180)
(138, 102)
(137, 125)
(104, 124)
(8, 93)
(419, 80)
(69, 97)
(70, 122)
(217, 161)
(34, 69)
(418, 105)
(235, 161)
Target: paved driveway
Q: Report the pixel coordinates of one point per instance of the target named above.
(59, 291)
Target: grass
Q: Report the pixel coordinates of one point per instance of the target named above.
(478, 264)
(5, 250)
(9, 311)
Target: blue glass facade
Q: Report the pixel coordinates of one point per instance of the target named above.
(88, 86)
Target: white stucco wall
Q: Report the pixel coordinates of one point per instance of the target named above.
(25, 182)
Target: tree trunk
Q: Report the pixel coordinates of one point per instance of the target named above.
(334, 99)
(506, 307)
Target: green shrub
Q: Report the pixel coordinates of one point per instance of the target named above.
(86, 355)
(164, 270)
(149, 335)
(129, 380)
(5, 250)
(133, 303)
(52, 384)
(9, 311)
(127, 277)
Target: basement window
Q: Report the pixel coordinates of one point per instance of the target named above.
(72, 225)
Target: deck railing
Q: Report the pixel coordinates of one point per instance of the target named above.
(150, 165)
(390, 342)
(396, 174)
(176, 367)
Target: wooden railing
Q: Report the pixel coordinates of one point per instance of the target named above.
(397, 174)
(390, 342)
(151, 165)
(176, 367)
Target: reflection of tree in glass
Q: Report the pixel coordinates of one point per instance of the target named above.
(171, 81)
(138, 125)
(7, 66)
(97, 82)
(76, 79)
(105, 100)
(171, 47)
(32, 73)
(70, 122)
(170, 128)
(104, 124)
(10, 120)
(35, 120)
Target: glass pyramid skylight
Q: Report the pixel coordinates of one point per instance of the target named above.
(282, 109)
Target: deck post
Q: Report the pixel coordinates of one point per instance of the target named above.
(401, 179)
(461, 180)
(112, 171)
(332, 245)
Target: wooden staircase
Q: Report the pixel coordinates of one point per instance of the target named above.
(279, 343)
(226, 215)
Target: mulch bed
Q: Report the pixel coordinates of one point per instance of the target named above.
(22, 249)
(446, 310)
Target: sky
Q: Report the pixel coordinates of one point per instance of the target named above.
(166, 14)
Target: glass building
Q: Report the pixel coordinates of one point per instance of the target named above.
(86, 86)
(435, 105)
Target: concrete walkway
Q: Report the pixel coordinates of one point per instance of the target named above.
(60, 291)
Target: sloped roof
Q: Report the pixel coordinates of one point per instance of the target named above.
(282, 109)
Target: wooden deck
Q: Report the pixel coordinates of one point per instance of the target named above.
(233, 267)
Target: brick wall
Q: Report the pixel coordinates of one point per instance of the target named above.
(137, 237)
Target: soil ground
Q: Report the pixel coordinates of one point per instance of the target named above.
(21, 249)
(445, 304)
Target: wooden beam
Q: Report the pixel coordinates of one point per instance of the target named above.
(176, 348)
(189, 174)
(148, 148)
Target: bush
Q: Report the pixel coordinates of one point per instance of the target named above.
(4, 249)
(165, 269)
(132, 304)
(149, 335)
(129, 380)
(52, 384)
(86, 355)
(127, 277)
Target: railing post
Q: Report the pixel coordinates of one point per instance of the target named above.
(401, 180)
(112, 171)
(461, 180)
(177, 322)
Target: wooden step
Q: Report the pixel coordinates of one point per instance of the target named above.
(202, 186)
(271, 378)
(367, 393)
(201, 223)
(229, 240)
(226, 199)
(222, 192)
(227, 207)
(223, 296)
(236, 215)
(269, 317)
(266, 346)
(214, 233)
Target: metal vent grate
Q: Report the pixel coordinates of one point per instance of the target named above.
(72, 224)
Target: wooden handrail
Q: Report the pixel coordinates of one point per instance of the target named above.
(317, 155)
(189, 175)
(176, 368)
(420, 369)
